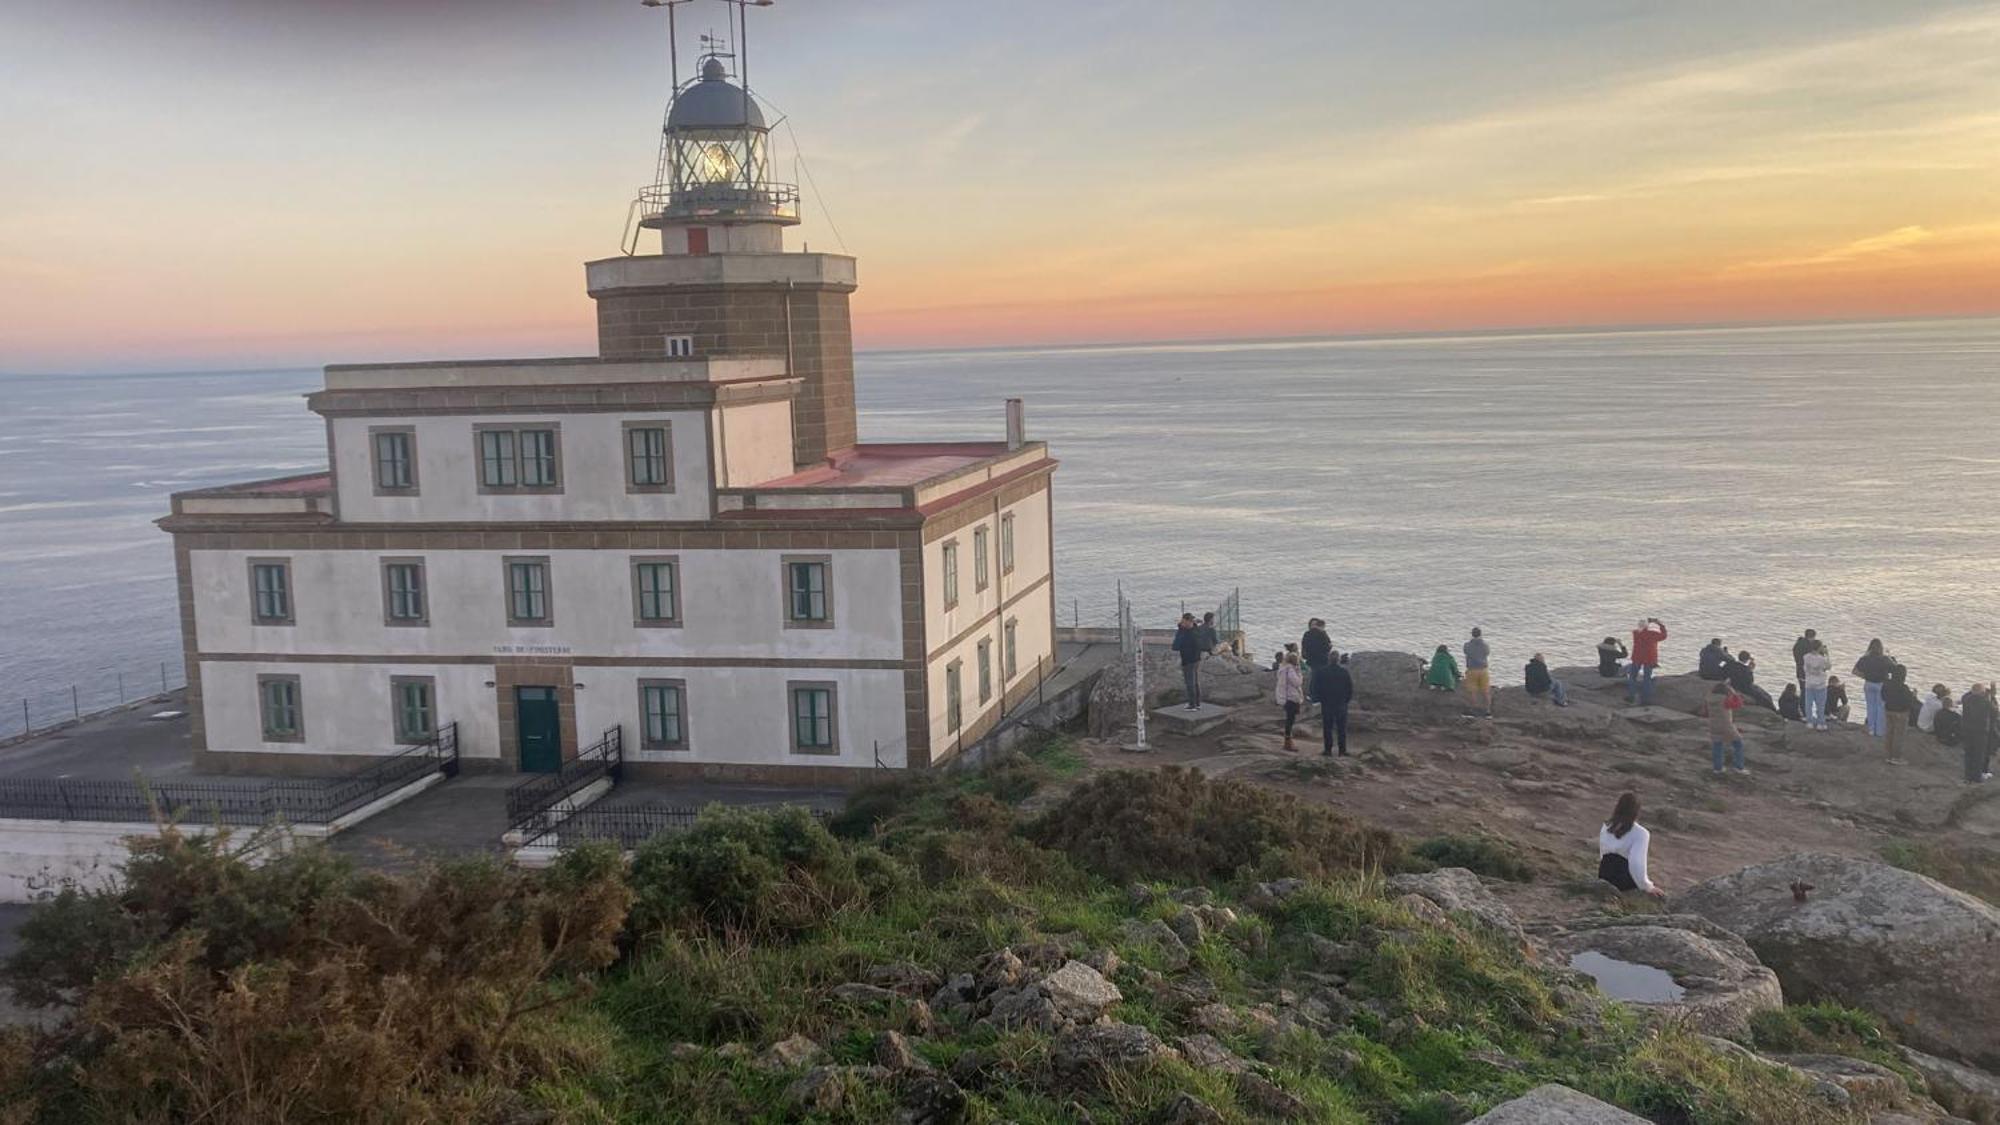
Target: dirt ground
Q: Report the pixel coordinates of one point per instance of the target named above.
(1424, 764)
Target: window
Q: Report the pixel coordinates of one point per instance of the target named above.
(1007, 543)
(403, 600)
(395, 450)
(662, 715)
(680, 347)
(271, 591)
(656, 592)
(954, 700)
(815, 729)
(414, 700)
(985, 670)
(980, 564)
(808, 591)
(950, 574)
(528, 592)
(278, 706)
(1008, 651)
(649, 460)
(525, 459)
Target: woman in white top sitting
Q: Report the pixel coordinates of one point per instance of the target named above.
(1621, 849)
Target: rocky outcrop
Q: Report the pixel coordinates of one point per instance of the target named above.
(1556, 1105)
(1459, 891)
(1873, 936)
(1724, 984)
(1225, 678)
(1971, 1094)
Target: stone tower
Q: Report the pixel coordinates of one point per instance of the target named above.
(723, 283)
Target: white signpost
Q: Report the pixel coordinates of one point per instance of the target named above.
(1134, 644)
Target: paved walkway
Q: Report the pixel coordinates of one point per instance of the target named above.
(109, 747)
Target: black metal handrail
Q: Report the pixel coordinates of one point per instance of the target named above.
(632, 825)
(532, 800)
(229, 801)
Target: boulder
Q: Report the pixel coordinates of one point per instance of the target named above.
(1186, 1109)
(1173, 952)
(1206, 1052)
(1556, 1105)
(1724, 984)
(1872, 936)
(789, 1054)
(1080, 993)
(1971, 1094)
(1459, 891)
(864, 994)
(906, 977)
(893, 1052)
(1424, 911)
(1862, 1084)
(928, 1099)
(1089, 1054)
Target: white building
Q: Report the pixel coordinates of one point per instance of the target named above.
(680, 537)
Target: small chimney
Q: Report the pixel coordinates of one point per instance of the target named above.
(1017, 424)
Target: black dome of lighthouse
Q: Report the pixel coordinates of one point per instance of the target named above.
(714, 103)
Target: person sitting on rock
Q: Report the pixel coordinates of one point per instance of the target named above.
(1743, 677)
(1540, 683)
(1715, 661)
(1837, 707)
(1291, 693)
(1333, 686)
(1788, 704)
(1610, 651)
(1935, 702)
(1720, 711)
(1622, 844)
(1443, 674)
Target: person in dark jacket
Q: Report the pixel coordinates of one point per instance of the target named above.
(1187, 642)
(1610, 651)
(1715, 661)
(1315, 648)
(1900, 706)
(1837, 707)
(1206, 634)
(1788, 704)
(1540, 683)
(1805, 644)
(1874, 668)
(1334, 688)
(1979, 723)
(1743, 677)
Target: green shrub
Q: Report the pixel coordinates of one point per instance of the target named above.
(760, 872)
(1174, 824)
(1482, 855)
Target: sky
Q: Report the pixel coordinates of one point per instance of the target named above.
(242, 183)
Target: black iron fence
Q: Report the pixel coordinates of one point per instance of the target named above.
(533, 801)
(632, 825)
(246, 801)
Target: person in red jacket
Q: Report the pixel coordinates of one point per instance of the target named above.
(1645, 661)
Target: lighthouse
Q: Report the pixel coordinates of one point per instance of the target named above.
(723, 283)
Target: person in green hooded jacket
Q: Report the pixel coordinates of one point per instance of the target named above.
(1443, 674)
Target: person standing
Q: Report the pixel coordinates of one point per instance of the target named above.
(1187, 642)
(1334, 689)
(1291, 694)
(1814, 669)
(1720, 711)
(1443, 673)
(1899, 702)
(1541, 683)
(1317, 648)
(1874, 668)
(1622, 844)
(1645, 661)
(1610, 655)
(1206, 634)
(1806, 643)
(1478, 679)
(1977, 729)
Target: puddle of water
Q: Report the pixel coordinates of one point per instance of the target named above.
(1625, 980)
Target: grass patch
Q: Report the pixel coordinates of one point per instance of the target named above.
(1967, 867)
(1483, 855)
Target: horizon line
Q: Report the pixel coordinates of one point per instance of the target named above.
(1194, 341)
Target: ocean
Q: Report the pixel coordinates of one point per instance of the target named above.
(1550, 488)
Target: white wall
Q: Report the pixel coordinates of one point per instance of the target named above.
(756, 443)
(592, 452)
(36, 855)
(732, 604)
(743, 715)
(346, 708)
(1032, 562)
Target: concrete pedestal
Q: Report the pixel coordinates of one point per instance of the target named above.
(1190, 721)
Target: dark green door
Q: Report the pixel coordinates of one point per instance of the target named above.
(540, 726)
